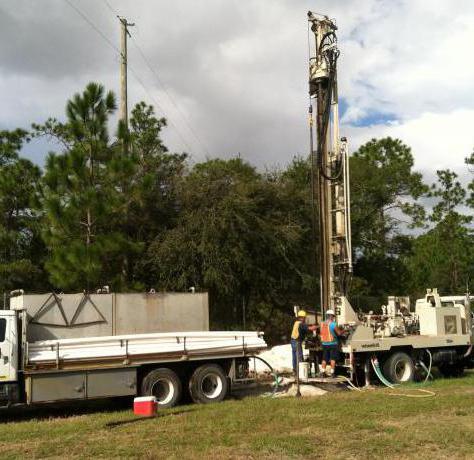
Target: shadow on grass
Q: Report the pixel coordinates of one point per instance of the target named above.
(73, 409)
(64, 410)
(120, 423)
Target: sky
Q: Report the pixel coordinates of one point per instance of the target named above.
(231, 75)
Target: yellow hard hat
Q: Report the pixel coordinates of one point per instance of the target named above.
(301, 314)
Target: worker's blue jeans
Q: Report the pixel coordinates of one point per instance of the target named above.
(296, 347)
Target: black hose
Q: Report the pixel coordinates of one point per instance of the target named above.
(326, 35)
(325, 124)
(263, 361)
(273, 373)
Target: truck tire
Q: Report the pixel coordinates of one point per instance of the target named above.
(399, 368)
(451, 370)
(164, 384)
(208, 384)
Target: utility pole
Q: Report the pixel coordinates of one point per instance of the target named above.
(123, 70)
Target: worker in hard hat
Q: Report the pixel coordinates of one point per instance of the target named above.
(298, 334)
(330, 342)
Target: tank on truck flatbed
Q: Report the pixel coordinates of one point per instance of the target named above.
(70, 316)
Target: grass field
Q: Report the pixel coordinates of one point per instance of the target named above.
(372, 424)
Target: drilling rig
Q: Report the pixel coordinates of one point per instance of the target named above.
(329, 164)
(440, 331)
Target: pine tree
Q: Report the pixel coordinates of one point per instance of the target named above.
(158, 174)
(443, 256)
(150, 187)
(83, 196)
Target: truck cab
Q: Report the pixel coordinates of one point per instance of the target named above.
(9, 349)
(8, 346)
(444, 315)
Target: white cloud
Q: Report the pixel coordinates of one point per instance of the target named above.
(238, 70)
(438, 140)
(410, 57)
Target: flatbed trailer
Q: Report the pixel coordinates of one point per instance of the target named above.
(205, 364)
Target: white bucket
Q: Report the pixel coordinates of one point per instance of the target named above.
(304, 371)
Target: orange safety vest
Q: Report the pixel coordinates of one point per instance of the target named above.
(326, 334)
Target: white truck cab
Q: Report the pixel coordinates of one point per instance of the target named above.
(444, 315)
(8, 346)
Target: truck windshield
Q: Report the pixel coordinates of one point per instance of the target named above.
(451, 303)
(3, 327)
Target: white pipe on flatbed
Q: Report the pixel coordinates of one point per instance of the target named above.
(191, 343)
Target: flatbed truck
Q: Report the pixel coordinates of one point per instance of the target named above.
(206, 364)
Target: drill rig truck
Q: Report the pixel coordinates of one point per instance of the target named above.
(439, 330)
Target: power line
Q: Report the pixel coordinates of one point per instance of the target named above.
(160, 82)
(110, 8)
(163, 86)
(140, 81)
(113, 11)
(134, 73)
(83, 16)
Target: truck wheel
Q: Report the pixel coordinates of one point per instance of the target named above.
(164, 384)
(208, 384)
(451, 370)
(399, 368)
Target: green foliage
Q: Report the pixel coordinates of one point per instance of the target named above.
(11, 143)
(241, 235)
(83, 197)
(121, 210)
(470, 164)
(384, 190)
(385, 193)
(104, 201)
(450, 194)
(152, 207)
(21, 250)
(151, 190)
(443, 257)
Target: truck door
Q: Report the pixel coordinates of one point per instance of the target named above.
(8, 345)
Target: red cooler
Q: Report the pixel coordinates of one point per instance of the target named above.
(145, 406)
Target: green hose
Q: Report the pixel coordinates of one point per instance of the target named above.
(427, 370)
(378, 372)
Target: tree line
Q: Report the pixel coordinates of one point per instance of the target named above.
(119, 209)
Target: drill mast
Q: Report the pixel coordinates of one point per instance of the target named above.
(329, 165)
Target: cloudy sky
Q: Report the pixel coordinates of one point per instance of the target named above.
(231, 75)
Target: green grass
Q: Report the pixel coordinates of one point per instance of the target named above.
(343, 425)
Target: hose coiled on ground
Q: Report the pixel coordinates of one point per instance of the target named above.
(378, 373)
